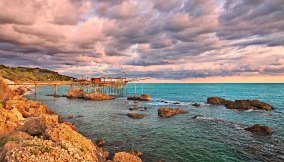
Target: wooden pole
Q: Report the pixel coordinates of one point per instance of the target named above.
(35, 89)
(55, 89)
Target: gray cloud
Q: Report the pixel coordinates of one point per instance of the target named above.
(163, 34)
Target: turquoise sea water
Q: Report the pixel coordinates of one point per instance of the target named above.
(219, 136)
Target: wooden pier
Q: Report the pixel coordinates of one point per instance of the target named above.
(107, 85)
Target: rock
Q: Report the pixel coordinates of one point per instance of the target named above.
(239, 104)
(143, 97)
(97, 96)
(146, 97)
(216, 101)
(11, 141)
(45, 150)
(106, 154)
(9, 120)
(136, 116)
(134, 152)
(196, 105)
(168, 112)
(101, 142)
(70, 117)
(21, 90)
(37, 125)
(260, 129)
(77, 93)
(28, 108)
(125, 157)
(249, 104)
(197, 116)
(63, 132)
(72, 126)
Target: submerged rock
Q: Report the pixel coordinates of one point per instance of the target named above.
(239, 104)
(125, 157)
(143, 97)
(196, 105)
(260, 129)
(136, 116)
(168, 112)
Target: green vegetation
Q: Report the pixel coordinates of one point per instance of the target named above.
(3, 140)
(31, 74)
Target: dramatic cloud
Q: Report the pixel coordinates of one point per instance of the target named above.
(162, 39)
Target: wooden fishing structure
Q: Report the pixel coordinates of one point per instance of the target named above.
(113, 86)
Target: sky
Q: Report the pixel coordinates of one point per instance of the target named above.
(163, 40)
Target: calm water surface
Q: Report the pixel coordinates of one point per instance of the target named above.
(219, 136)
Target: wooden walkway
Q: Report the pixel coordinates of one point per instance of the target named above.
(107, 85)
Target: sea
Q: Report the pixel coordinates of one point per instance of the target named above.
(216, 136)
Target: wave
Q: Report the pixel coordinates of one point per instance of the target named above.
(219, 121)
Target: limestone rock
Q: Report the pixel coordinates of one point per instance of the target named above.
(168, 112)
(125, 157)
(28, 108)
(9, 120)
(63, 132)
(37, 125)
(46, 150)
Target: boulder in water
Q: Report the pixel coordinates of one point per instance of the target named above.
(168, 112)
(143, 97)
(260, 129)
(216, 101)
(136, 116)
(77, 93)
(239, 104)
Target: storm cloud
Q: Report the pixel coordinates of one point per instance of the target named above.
(168, 39)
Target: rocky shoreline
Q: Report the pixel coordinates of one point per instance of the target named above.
(30, 131)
